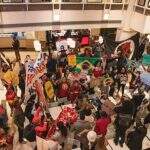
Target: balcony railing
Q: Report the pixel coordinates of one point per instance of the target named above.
(64, 1)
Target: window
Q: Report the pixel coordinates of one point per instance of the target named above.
(141, 2)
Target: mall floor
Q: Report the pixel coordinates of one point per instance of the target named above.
(29, 145)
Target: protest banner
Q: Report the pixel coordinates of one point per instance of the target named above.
(34, 70)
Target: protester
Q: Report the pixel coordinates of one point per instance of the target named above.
(102, 124)
(19, 119)
(123, 120)
(135, 137)
(75, 101)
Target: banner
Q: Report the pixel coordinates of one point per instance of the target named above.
(30, 78)
(82, 62)
(146, 59)
(40, 64)
(71, 60)
(34, 70)
(62, 44)
(129, 47)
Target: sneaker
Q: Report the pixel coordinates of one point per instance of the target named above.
(121, 145)
(116, 142)
(22, 142)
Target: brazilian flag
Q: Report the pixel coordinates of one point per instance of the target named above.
(83, 62)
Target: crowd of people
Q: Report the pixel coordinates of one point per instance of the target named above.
(110, 93)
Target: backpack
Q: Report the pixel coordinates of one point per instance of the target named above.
(29, 133)
(125, 120)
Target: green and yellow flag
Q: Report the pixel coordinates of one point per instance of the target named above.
(82, 62)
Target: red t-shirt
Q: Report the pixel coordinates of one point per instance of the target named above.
(2, 110)
(101, 126)
(97, 72)
(63, 91)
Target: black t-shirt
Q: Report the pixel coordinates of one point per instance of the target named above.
(135, 138)
(137, 99)
(147, 119)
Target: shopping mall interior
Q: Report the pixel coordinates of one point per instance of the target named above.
(74, 74)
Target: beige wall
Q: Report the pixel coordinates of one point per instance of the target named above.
(65, 16)
(7, 42)
(11, 55)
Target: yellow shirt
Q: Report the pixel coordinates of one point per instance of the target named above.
(49, 89)
(11, 77)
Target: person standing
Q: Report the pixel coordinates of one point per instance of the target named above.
(19, 119)
(135, 137)
(123, 78)
(16, 46)
(138, 99)
(123, 120)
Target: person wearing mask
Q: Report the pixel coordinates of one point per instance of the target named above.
(123, 120)
(135, 137)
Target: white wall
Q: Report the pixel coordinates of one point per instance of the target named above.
(19, 17)
(138, 22)
(23, 17)
(147, 25)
